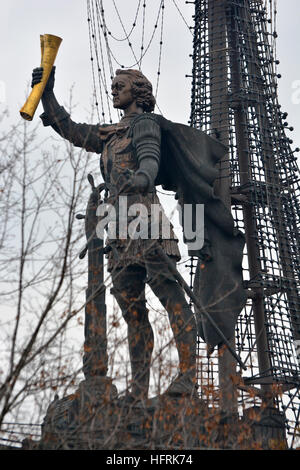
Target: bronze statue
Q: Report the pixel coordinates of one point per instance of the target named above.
(138, 153)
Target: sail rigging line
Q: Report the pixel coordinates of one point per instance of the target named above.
(182, 17)
(101, 71)
(143, 34)
(108, 98)
(97, 28)
(160, 49)
(124, 30)
(103, 28)
(93, 39)
(102, 77)
(145, 49)
(92, 62)
(127, 35)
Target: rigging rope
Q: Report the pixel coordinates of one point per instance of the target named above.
(143, 34)
(124, 30)
(143, 48)
(92, 61)
(108, 98)
(133, 24)
(182, 17)
(100, 68)
(103, 55)
(103, 27)
(160, 49)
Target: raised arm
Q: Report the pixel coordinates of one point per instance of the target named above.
(81, 135)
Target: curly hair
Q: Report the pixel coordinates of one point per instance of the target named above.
(141, 89)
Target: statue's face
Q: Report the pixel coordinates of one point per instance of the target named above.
(121, 92)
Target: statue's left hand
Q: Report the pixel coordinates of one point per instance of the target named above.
(138, 183)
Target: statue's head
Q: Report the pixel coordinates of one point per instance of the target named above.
(135, 85)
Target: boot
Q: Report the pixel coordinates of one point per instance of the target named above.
(140, 341)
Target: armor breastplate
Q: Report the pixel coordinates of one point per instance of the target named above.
(118, 163)
(118, 159)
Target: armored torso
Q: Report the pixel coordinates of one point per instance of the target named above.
(118, 162)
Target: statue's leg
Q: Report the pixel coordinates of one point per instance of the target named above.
(129, 291)
(182, 322)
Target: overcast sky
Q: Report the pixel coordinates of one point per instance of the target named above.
(22, 22)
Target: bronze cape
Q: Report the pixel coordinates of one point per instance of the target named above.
(188, 167)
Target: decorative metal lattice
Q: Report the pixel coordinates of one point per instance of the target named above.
(234, 98)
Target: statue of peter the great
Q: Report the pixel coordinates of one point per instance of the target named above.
(138, 153)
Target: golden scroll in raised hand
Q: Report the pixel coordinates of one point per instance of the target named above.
(49, 47)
